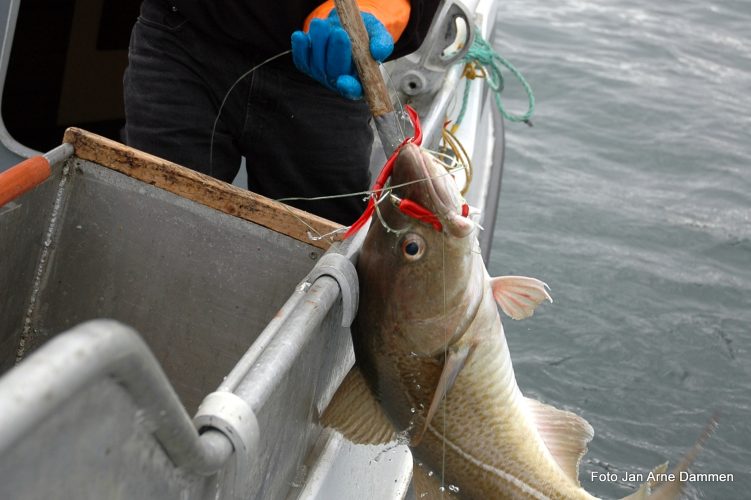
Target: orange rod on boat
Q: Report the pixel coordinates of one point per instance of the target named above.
(23, 177)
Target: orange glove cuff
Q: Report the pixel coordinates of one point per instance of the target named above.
(394, 14)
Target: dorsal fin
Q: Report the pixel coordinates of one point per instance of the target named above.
(355, 413)
(565, 434)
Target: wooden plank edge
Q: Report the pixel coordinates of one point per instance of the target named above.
(200, 188)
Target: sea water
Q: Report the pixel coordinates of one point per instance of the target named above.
(631, 198)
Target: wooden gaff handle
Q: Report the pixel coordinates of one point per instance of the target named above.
(374, 88)
(23, 177)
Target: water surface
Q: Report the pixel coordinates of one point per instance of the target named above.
(631, 198)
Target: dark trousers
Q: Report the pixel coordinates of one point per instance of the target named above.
(299, 138)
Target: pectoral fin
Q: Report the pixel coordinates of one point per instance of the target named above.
(565, 434)
(456, 358)
(355, 413)
(518, 296)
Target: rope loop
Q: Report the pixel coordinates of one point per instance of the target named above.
(482, 61)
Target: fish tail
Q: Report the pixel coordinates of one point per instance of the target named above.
(669, 486)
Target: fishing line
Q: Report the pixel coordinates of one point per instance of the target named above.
(314, 235)
(445, 357)
(224, 101)
(398, 101)
(250, 71)
(369, 192)
(329, 235)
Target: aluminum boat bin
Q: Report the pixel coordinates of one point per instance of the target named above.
(207, 289)
(164, 335)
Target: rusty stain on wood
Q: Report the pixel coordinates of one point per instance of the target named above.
(200, 188)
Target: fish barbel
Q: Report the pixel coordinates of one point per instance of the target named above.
(432, 357)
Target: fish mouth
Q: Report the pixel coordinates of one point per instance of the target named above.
(422, 181)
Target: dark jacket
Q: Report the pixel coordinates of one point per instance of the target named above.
(265, 26)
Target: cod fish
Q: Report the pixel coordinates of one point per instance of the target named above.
(432, 363)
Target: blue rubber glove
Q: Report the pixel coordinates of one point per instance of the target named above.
(325, 52)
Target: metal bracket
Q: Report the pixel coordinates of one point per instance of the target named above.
(343, 271)
(444, 45)
(233, 417)
(449, 38)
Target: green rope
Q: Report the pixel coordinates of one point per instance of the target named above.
(481, 53)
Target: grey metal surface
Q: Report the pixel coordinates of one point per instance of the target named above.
(419, 75)
(105, 258)
(59, 154)
(226, 414)
(287, 388)
(92, 415)
(297, 334)
(340, 268)
(343, 470)
(24, 226)
(495, 177)
(45, 256)
(32, 392)
(444, 31)
(287, 382)
(241, 368)
(433, 122)
(199, 285)
(347, 249)
(203, 288)
(95, 447)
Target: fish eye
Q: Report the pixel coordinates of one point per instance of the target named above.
(413, 246)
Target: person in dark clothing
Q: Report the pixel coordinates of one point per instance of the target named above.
(300, 136)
